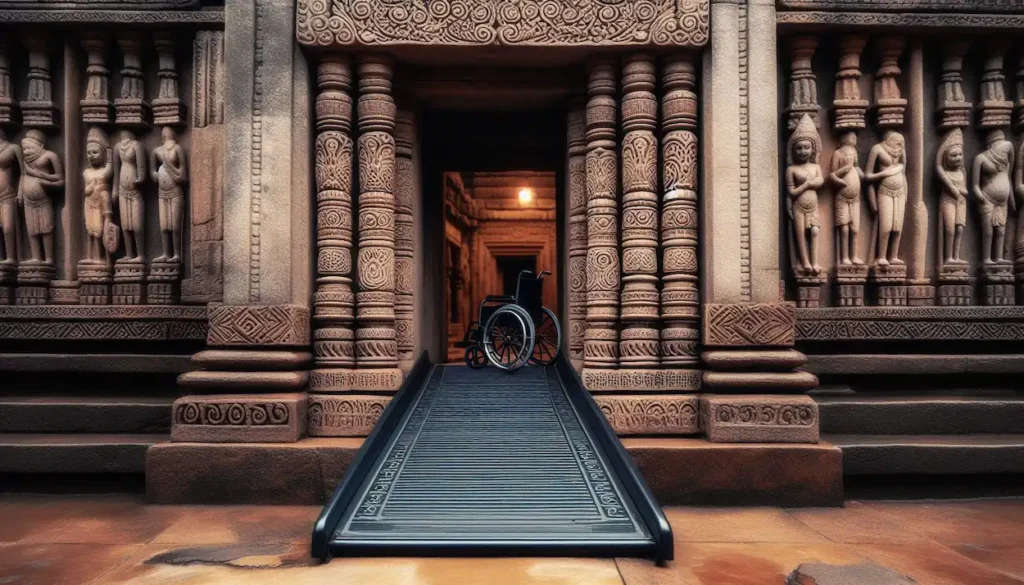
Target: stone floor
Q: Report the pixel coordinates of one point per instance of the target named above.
(70, 540)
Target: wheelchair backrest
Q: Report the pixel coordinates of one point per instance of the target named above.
(529, 292)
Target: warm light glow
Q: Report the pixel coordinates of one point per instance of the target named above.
(525, 196)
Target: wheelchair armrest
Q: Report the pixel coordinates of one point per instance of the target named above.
(499, 298)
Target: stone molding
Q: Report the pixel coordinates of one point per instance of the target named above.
(647, 380)
(994, 323)
(343, 415)
(135, 18)
(749, 324)
(899, 21)
(651, 415)
(904, 6)
(234, 418)
(100, 323)
(347, 23)
(132, 5)
(759, 419)
(259, 326)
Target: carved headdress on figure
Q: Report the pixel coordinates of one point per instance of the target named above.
(804, 130)
(954, 137)
(97, 136)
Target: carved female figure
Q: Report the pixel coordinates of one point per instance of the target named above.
(992, 190)
(949, 165)
(887, 194)
(846, 176)
(803, 179)
(43, 171)
(1018, 186)
(97, 178)
(129, 166)
(11, 168)
(167, 167)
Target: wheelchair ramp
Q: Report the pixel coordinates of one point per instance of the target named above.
(485, 462)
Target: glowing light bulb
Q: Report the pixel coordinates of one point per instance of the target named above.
(525, 196)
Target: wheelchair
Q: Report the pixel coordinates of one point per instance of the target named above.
(512, 331)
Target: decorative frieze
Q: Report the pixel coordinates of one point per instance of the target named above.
(239, 418)
(258, 325)
(911, 324)
(665, 414)
(97, 323)
(642, 380)
(749, 324)
(405, 193)
(577, 145)
(759, 419)
(344, 415)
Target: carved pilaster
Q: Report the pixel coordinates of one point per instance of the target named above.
(37, 110)
(168, 108)
(376, 344)
(1018, 248)
(131, 109)
(96, 106)
(639, 345)
(850, 107)
(8, 105)
(803, 86)
(601, 343)
(577, 232)
(680, 299)
(333, 302)
(404, 194)
(9, 178)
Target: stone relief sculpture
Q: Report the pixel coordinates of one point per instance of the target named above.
(803, 179)
(846, 176)
(129, 161)
(43, 171)
(168, 170)
(97, 178)
(887, 194)
(993, 194)
(949, 166)
(12, 167)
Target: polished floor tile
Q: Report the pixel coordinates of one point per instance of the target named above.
(236, 524)
(857, 523)
(60, 564)
(738, 525)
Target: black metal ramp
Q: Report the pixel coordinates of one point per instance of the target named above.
(482, 462)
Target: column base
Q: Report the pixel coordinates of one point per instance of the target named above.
(95, 279)
(920, 294)
(761, 418)
(348, 380)
(849, 287)
(808, 290)
(656, 380)
(129, 282)
(239, 418)
(64, 292)
(34, 283)
(890, 284)
(660, 414)
(164, 287)
(955, 285)
(344, 415)
(997, 284)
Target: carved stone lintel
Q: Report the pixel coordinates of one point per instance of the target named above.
(239, 418)
(664, 414)
(645, 380)
(344, 415)
(759, 419)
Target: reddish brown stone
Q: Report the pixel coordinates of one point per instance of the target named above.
(760, 381)
(239, 418)
(770, 418)
(210, 381)
(259, 360)
(770, 359)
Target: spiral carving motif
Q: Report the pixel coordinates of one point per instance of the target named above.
(376, 162)
(679, 152)
(333, 167)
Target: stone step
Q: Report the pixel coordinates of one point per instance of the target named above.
(75, 453)
(931, 414)
(930, 454)
(85, 414)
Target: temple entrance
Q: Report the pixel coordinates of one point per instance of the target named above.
(494, 183)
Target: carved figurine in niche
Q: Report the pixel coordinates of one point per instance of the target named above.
(992, 190)
(168, 170)
(803, 179)
(43, 171)
(11, 169)
(97, 178)
(887, 194)
(949, 165)
(130, 172)
(846, 176)
(1018, 186)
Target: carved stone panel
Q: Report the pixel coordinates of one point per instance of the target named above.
(651, 415)
(259, 325)
(905, 5)
(749, 324)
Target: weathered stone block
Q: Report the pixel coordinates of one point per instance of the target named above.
(663, 414)
(759, 419)
(239, 418)
(861, 573)
(344, 415)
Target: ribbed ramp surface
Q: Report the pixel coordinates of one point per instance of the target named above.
(484, 460)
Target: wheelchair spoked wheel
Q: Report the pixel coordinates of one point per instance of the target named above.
(548, 339)
(509, 338)
(475, 357)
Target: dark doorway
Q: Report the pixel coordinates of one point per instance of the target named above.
(510, 266)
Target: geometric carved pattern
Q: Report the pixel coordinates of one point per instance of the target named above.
(344, 415)
(259, 325)
(98, 323)
(905, 5)
(749, 324)
(911, 323)
(342, 23)
(645, 380)
(249, 414)
(651, 415)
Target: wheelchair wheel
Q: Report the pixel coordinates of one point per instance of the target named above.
(508, 338)
(548, 340)
(475, 357)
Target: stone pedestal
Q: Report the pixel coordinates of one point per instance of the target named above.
(164, 283)
(850, 281)
(889, 284)
(808, 289)
(998, 284)
(955, 285)
(8, 283)
(762, 418)
(34, 282)
(64, 292)
(920, 293)
(94, 280)
(263, 418)
(129, 280)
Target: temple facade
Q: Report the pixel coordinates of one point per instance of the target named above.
(785, 236)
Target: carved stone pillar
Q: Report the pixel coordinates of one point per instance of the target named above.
(10, 173)
(601, 343)
(577, 233)
(992, 178)
(639, 344)
(888, 272)
(1018, 248)
(168, 109)
(803, 86)
(95, 270)
(850, 109)
(404, 262)
(96, 106)
(131, 107)
(376, 342)
(954, 114)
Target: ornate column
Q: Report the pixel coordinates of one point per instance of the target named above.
(954, 114)
(577, 232)
(846, 175)
(887, 195)
(1018, 248)
(601, 343)
(10, 175)
(404, 263)
(639, 344)
(994, 114)
(376, 342)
